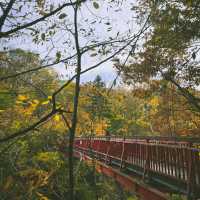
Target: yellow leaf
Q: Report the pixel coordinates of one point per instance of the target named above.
(18, 102)
(57, 118)
(22, 97)
(45, 102)
(35, 101)
(154, 101)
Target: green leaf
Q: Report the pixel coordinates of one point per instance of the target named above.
(43, 36)
(58, 56)
(96, 5)
(93, 55)
(115, 60)
(62, 16)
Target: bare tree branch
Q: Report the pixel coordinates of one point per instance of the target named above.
(143, 29)
(66, 121)
(189, 96)
(54, 109)
(28, 129)
(35, 69)
(2, 8)
(5, 14)
(86, 70)
(83, 50)
(14, 30)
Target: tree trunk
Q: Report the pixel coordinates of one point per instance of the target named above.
(75, 109)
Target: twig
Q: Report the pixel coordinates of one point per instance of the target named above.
(7, 33)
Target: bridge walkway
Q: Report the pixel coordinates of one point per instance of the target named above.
(166, 165)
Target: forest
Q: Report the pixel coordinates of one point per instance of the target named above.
(50, 92)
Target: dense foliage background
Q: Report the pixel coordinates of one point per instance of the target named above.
(153, 47)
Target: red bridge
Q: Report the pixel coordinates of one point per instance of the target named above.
(150, 167)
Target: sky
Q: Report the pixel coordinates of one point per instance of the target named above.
(121, 17)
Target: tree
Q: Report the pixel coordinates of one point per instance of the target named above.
(23, 98)
(28, 162)
(170, 48)
(98, 106)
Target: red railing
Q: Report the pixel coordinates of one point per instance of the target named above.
(176, 161)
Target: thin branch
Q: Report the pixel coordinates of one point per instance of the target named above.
(83, 50)
(142, 30)
(66, 121)
(28, 129)
(190, 97)
(86, 70)
(92, 67)
(54, 110)
(7, 33)
(2, 8)
(35, 69)
(5, 14)
(75, 107)
(3, 151)
(120, 71)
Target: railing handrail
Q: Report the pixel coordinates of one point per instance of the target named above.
(154, 139)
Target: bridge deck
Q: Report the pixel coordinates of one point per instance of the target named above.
(168, 165)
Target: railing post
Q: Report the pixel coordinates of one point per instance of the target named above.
(190, 176)
(146, 167)
(122, 154)
(108, 149)
(90, 146)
